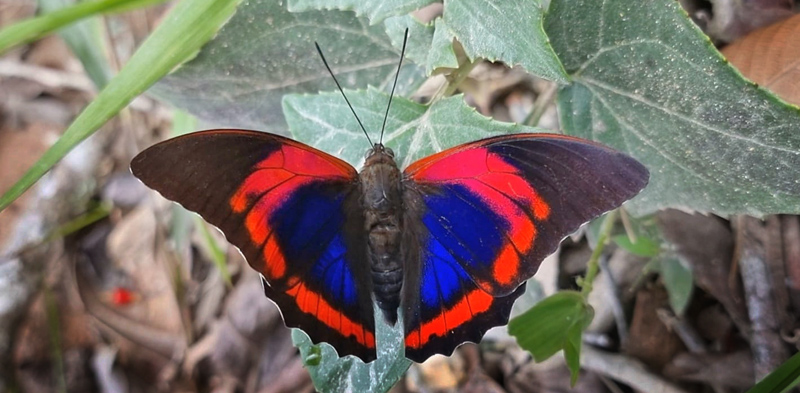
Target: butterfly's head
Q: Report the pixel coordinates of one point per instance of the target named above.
(379, 154)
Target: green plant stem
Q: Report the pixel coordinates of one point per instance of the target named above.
(458, 76)
(626, 223)
(54, 328)
(593, 266)
(542, 102)
(97, 213)
(31, 29)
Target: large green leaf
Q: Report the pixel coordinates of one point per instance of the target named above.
(510, 31)
(441, 53)
(429, 45)
(647, 81)
(264, 52)
(330, 373)
(375, 10)
(643, 247)
(419, 37)
(413, 130)
(187, 27)
(553, 324)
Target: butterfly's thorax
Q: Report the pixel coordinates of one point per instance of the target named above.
(383, 206)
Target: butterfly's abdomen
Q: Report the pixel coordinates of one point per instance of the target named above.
(383, 208)
(386, 267)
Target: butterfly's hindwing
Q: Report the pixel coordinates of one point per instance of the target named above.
(488, 213)
(292, 211)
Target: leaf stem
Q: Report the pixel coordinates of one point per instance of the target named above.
(593, 266)
(454, 80)
(95, 214)
(542, 102)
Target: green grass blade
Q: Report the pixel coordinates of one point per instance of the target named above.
(31, 29)
(218, 256)
(84, 39)
(783, 378)
(56, 340)
(187, 27)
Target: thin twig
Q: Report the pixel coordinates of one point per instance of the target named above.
(626, 370)
(778, 272)
(541, 104)
(769, 350)
(47, 77)
(790, 232)
(610, 384)
(59, 80)
(690, 337)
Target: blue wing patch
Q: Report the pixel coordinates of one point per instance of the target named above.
(463, 225)
(441, 276)
(333, 273)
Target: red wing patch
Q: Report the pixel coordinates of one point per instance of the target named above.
(311, 302)
(473, 303)
(270, 184)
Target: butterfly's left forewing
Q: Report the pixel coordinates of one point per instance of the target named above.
(485, 214)
(292, 211)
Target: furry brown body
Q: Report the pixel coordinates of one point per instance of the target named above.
(383, 213)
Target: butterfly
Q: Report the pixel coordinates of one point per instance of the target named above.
(450, 240)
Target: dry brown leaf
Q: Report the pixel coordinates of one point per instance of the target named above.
(771, 58)
(131, 247)
(19, 149)
(649, 340)
(34, 351)
(706, 243)
(14, 11)
(732, 19)
(52, 52)
(439, 373)
(729, 369)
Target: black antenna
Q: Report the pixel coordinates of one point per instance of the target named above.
(386, 116)
(342, 91)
